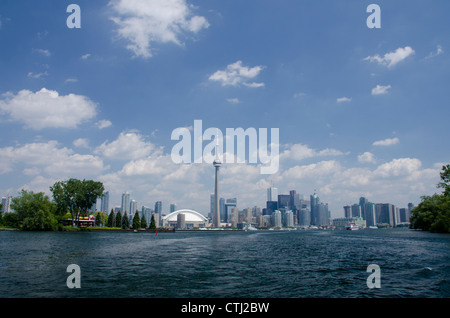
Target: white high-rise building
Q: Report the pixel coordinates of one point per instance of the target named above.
(125, 202)
(276, 219)
(6, 202)
(272, 194)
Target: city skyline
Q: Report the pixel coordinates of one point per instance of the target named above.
(361, 112)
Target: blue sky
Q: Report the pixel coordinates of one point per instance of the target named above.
(360, 112)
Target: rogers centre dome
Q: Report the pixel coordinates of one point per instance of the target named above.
(191, 219)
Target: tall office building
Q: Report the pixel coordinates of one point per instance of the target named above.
(125, 207)
(314, 202)
(362, 202)
(271, 206)
(370, 214)
(356, 211)
(320, 215)
(272, 194)
(283, 201)
(348, 211)
(234, 216)
(276, 219)
(6, 202)
(223, 216)
(104, 206)
(229, 204)
(289, 219)
(133, 207)
(386, 213)
(294, 200)
(248, 215)
(173, 207)
(304, 217)
(158, 211)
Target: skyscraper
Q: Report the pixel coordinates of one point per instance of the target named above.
(370, 214)
(133, 207)
(362, 202)
(272, 194)
(158, 209)
(125, 207)
(347, 211)
(217, 163)
(314, 202)
(229, 204)
(104, 206)
(283, 201)
(320, 214)
(294, 200)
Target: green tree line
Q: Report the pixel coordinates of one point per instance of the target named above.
(433, 213)
(72, 199)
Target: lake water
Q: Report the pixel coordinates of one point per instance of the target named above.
(232, 264)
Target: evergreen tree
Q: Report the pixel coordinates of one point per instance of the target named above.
(136, 221)
(119, 219)
(110, 222)
(98, 219)
(143, 222)
(152, 223)
(125, 221)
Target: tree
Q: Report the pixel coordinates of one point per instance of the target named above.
(433, 213)
(34, 211)
(76, 196)
(143, 222)
(119, 219)
(110, 222)
(125, 221)
(98, 219)
(136, 221)
(152, 223)
(445, 177)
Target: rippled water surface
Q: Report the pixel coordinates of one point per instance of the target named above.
(272, 264)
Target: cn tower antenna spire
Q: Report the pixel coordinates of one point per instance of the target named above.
(217, 146)
(216, 163)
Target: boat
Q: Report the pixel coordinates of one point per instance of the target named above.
(351, 226)
(250, 227)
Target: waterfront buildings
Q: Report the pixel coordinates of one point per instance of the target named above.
(378, 214)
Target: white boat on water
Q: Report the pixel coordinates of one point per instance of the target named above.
(351, 226)
(250, 227)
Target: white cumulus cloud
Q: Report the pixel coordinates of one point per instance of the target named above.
(236, 74)
(343, 99)
(143, 22)
(386, 142)
(380, 89)
(366, 157)
(128, 146)
(392, 58)
(47, 109)
(300, 152)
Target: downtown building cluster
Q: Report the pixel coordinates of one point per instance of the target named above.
(368, 214)
(281, 211)
(291, 210)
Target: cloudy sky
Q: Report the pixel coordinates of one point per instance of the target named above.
(360, 111)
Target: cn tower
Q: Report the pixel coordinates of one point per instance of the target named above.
(217, 164)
